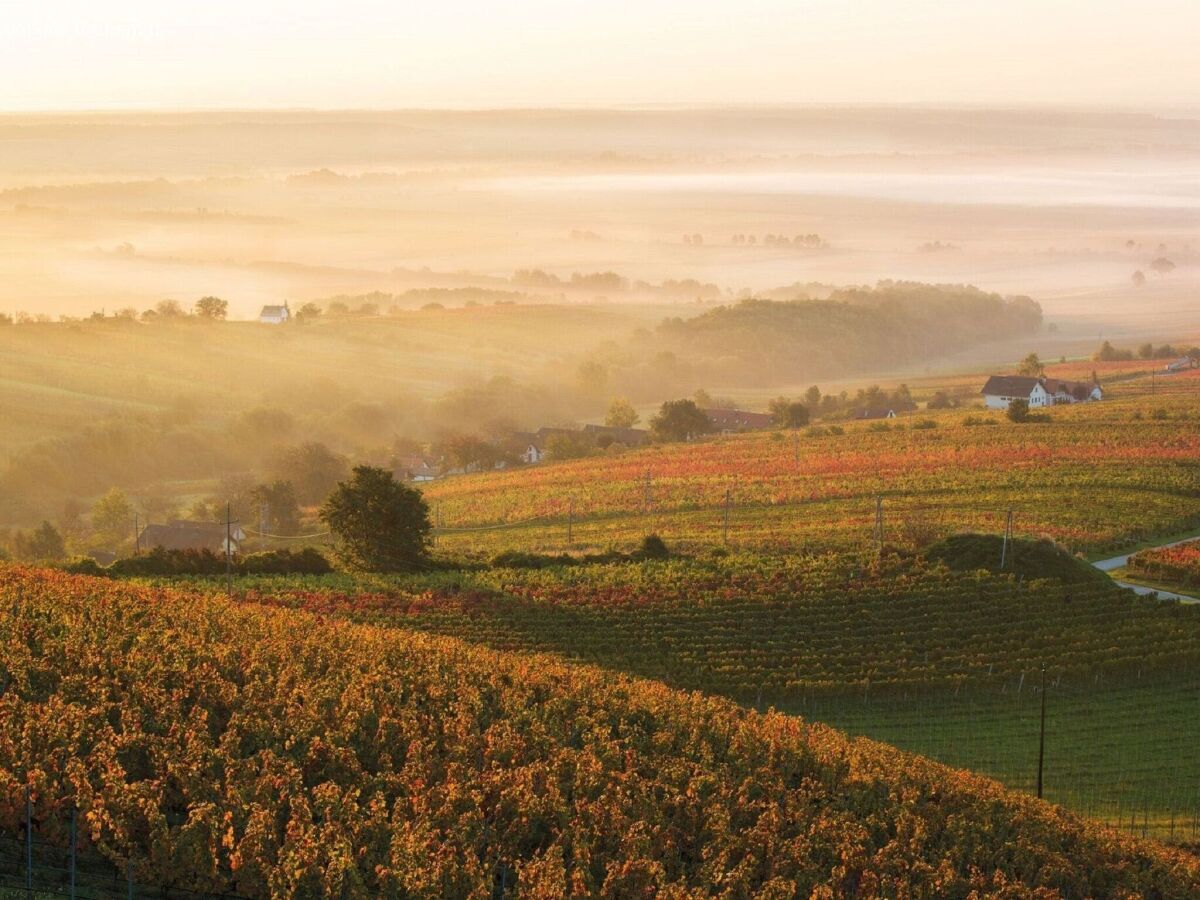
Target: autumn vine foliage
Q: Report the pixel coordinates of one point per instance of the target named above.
(782, 629)
(1179, 564)
(281, 753)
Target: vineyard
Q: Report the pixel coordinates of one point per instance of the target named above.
(1179, 564)
(942, 663)
(275, 752)
(1095, 477)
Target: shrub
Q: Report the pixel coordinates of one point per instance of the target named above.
(653, 547)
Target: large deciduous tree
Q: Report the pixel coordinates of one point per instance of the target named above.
(680, 420)
(380, 524)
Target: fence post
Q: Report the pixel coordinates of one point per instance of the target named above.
(29, 838)
(129, 876)
(1042, 735)
(570, 521)
(725, 526)
(74, 811)
(879, 526)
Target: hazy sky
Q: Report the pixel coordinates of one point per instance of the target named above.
(82, 54)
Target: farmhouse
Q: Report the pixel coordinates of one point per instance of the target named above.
(1180, 365)
(536, 443)
(180, 535)
(275, 315)
(1001, 390)
(415, 468)
(876, 413)
(732, 420)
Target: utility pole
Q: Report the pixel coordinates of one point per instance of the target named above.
(1007, 537)
(264, 518)
(725, 527)
(228, 550)
(1042, 735)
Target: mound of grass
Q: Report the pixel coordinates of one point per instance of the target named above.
(1024, 558)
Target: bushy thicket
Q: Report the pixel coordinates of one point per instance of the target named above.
(162, 562)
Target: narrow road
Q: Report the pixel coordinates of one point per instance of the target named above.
(1116, 562)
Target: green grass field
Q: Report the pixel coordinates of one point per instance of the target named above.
(1121, 751)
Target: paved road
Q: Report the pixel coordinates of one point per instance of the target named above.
(1117, 562)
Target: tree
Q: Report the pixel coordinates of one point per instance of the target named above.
(112, 516)
(1032, 366)
(788, 413)
(1162, 265)
(1138, 278)
(1146, 351)
(1018, 410)
(470, 452)
(43, 544)
(283, 512)
(312, 468)
(621, 414)
(168, 309)
(680, 420)
(381, 524)
(592, 377)
(1109, 353)
(940, 400)
(812, 397)
(308, 311)
(569, 445)
(212, 308)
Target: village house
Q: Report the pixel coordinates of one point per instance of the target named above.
(1001, 390)
(728, 421)
(275, 315)
(1181, 365)
(865, 414)
(415, 468)
(181, 535)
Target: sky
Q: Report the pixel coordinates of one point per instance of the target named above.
(353, 54)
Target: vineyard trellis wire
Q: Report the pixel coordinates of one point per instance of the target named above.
(33, 865)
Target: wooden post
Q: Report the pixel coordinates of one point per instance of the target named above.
(228, 551)
(29, 838)
(725, 527)
(570, 521)
(73, 812)
(1042, 735)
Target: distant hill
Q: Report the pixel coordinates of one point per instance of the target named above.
(854, 330)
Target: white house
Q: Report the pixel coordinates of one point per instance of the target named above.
(1001, 390)
(275, 315)
(1180, 365)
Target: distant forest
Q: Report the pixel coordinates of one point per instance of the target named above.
(760, 342)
